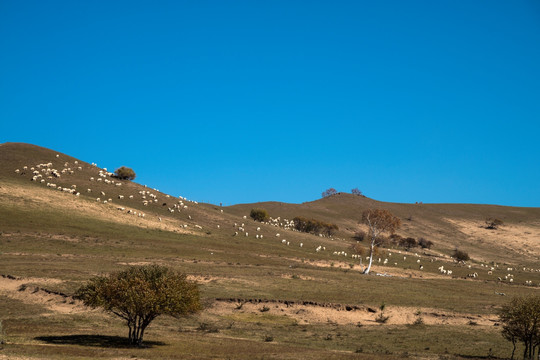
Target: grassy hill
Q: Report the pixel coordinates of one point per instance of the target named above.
(319, 305)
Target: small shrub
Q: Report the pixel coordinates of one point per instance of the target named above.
(2, 334)
(382, 319)
(268, 338)
(408, 243)
(264, 309)
(425, 244)
(460, 255)
(419, 320)
(259, 215)
(395, 239)
(493, 224)
(360, 235)
(125, 173)
(209, 328)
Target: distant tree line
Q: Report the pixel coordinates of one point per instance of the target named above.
(332, 191)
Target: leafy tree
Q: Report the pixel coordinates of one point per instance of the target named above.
(259, 215)
(493, 224)
(378, 221)
(329, 192)
(140, 294)
(125, 173)
(521, 322)
(356, 191)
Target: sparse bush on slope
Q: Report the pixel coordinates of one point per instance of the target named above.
(259, 215)
(425, 244)
(460, 255)
(493, 224)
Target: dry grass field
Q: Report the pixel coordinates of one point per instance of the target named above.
(263, 299)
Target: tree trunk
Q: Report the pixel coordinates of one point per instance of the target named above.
(370, 257)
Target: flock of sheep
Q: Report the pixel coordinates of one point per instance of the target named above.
(45, 173)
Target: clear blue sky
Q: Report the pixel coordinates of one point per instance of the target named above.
(246, 101)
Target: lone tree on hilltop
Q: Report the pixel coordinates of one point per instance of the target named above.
(329, 192)
(378, 221)
(356, 191)
(125, 173)
(521, 322)
(140, 294)
(493, 224)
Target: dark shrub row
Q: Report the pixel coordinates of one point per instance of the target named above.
(397, 240)
(314, 226)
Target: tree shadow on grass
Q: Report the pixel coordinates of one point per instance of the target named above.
(105, 341)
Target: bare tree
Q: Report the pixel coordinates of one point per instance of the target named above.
(356, 191)
(329, 192)
(378, 221)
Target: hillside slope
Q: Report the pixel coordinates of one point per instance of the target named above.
(449, 226)
(301, 293)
